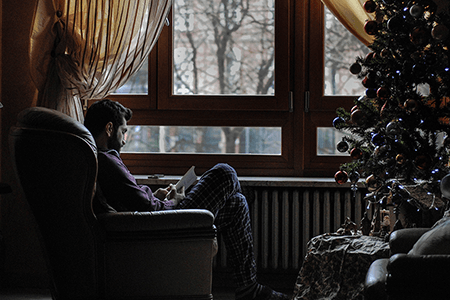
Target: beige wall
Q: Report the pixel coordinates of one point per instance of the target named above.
(23, 262)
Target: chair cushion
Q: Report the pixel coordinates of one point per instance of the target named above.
(435, 241)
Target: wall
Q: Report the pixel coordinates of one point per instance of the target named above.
(23, 262)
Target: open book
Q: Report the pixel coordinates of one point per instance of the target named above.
(187, 180)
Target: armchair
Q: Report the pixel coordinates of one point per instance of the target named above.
(418, 267)
(132, 255)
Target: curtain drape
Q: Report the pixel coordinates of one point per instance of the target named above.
(86, 49)
(352, 15)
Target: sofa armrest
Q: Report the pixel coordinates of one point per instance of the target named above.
(158, 221)
(409, 273)
(375, 282)
(402, 240)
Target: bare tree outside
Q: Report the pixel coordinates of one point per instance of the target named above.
(341, 50)
(226, 47)
(138, 83)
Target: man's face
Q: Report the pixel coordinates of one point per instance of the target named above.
(117, 139)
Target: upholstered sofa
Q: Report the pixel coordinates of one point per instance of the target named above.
(418, 268)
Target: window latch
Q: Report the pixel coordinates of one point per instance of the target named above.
(291, 101)
(307, 102)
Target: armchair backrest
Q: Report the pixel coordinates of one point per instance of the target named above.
(55, 161)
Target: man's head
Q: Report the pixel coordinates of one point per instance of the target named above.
(107, 122)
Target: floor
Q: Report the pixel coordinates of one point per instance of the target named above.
(33, 294)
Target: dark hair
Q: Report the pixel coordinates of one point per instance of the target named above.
(104, 111)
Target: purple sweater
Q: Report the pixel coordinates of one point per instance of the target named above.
(120, 189)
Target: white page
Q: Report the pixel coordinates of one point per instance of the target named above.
(187, 180)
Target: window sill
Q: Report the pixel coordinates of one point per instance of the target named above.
(318, 182)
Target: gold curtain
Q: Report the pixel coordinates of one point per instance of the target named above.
(86, 49)
(352, 15)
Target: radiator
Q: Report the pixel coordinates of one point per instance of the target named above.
(285, 219)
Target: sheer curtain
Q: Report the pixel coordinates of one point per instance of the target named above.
(86, 49)
(352, 15)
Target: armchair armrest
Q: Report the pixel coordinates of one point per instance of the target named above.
(158, 221)
(402, 240)
(158, 251)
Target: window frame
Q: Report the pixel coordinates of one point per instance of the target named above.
(322, 108)
(278, 102)
(299, 123)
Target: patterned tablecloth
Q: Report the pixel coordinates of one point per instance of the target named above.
(335, 266)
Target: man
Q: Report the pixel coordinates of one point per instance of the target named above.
(218, 191)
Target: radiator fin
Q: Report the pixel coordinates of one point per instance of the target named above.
(285, 219)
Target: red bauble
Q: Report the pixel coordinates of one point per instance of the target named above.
(341, 177)
(422, 161)
(369, 83)
(371, 27)
(383, 93)
(385, 53)
(419, 36)
(358, 117)
(370, 56)
(440, 32)
(370, 6)
(356, 153)
(383, 108)
(411, 105)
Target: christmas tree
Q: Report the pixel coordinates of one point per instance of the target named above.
(400, 128)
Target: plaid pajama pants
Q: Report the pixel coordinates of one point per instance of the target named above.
(219, 191)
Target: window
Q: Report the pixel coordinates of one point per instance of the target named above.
(206, 139)
(223, 55)
(223, 48)
(334, 87)
(341, 49)
(228, 82)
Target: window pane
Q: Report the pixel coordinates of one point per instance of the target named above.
(138, 83)
(327, 139)
(341, 50)
(223, 47)
(183, 139)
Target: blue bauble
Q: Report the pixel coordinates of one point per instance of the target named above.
(378, 139)
(393, 129)
(338, 122)
(371, 93)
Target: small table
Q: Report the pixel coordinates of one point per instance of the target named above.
(336, 265)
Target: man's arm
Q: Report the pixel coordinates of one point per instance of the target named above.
(121, 190)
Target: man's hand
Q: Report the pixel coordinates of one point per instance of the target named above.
(161, 193)
(174, 195)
